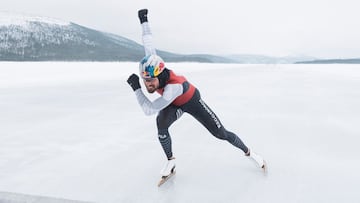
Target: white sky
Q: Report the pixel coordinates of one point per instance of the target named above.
(320, 28)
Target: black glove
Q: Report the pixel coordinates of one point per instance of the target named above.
(143, 15)
(133, 81)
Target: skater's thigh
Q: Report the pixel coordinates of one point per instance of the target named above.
(203, 113)
(168, 116)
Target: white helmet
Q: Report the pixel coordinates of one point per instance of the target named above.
(151, 66)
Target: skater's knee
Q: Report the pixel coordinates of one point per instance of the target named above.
(161, 122)
(221, 135)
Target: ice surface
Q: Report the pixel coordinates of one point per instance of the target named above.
(75, 131)
(8, 197)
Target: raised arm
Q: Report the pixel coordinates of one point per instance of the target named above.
(146, 33)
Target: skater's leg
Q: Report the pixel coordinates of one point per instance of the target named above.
(234, 140)
(202, 112)
(164, 119)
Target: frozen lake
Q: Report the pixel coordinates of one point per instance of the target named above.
(75, 131)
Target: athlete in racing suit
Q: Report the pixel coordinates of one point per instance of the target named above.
(178, 95)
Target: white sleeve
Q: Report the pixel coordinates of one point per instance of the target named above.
(171, 92)
(147, 39)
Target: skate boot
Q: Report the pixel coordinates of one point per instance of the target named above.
(259, 161)
(143, 15)
(168, 168)
(167, 172)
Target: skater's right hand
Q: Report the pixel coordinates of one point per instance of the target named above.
(133, 81)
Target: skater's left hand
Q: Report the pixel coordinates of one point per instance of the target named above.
(133, 81)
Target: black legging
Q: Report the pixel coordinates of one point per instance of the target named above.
(201, 112)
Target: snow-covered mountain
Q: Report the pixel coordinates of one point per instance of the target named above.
(25, 37)
(8, 18)
(261, 59)
(34, 38)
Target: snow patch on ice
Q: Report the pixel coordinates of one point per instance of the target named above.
(10, 197)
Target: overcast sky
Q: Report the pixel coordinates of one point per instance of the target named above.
(320, 28)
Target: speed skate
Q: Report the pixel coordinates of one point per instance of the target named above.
(167, 177)
(258, 160)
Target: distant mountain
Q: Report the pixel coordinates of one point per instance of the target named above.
(331, 61)
(29, 38)
(261, 59)
(32, 38)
